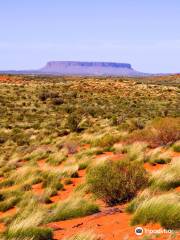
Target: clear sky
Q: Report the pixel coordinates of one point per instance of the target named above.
(145, 33)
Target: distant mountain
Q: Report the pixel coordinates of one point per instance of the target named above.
(90, 68)
(83, 69)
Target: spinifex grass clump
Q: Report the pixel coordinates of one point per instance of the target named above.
(84, 236)
(163, 209)
(27, 223)
(157, 155)
(176, 146)
(116, 182)
(73, 207)
(168, 177)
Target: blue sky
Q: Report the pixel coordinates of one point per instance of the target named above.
(141, 32)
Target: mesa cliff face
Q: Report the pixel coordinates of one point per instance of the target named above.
(89, 68)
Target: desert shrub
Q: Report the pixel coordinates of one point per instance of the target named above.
(116, 182)
(72, 147)
(132, 124)
(3, 137)
(57, 101)
(105, 140)
(163, 209)
(44, 95)
(73, 207)
(21, 139)
(73, 121)
(161, 131)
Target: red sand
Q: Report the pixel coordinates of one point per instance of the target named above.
(151, 168)
(8, 79)
(37, 188)
(111, 224)
(68, 189)
(11, 211)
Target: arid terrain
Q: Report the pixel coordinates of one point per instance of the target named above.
(86, 158)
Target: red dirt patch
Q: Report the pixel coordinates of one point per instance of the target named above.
(111, 224)
(38, 189)
(9, 212)
(151, 168)
(68, 189)
(110, 155)
(10, 79)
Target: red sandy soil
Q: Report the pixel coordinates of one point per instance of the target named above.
(37, 189)
(151, 168)
(68, 189)
(110, 155)
(178, 189)
(110, 224)
(12, 79)
(175, 154)
(11, 211)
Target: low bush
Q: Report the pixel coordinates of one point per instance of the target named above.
(161, 131)
(116, 182)
(57, 101)
(73, 121)
(106, 140)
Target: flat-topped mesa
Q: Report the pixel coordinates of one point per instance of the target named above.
(54, 64)
(89, 68)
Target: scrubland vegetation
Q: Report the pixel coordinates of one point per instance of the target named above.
(52, 129)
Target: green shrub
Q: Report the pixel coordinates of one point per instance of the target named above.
(116, 182)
